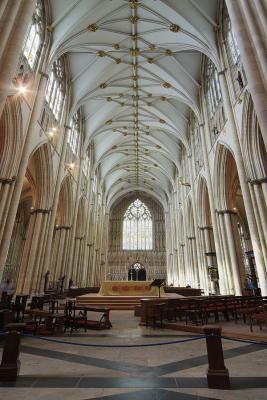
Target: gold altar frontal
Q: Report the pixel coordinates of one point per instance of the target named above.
(129, 288)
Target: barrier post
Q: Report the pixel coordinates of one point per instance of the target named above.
(217, 374)
(10, 365)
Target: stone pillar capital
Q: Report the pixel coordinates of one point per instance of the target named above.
(207, 227)
(257, 181)
(226, 212)
(40, 211)
(66, 227)
(7, 181)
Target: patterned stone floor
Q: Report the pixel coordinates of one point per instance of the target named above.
(176, 371)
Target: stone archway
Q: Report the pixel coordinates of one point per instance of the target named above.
(32, 220)
(232, 221)
(137, 272)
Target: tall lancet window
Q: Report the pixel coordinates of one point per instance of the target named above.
(137, 227)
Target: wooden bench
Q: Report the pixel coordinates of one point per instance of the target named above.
(102, 323)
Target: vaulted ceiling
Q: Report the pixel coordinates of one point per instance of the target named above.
(135, 70)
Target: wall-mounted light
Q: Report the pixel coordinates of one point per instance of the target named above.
(70, 167)
(22, 89)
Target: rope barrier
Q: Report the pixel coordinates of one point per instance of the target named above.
(262, 342)
(115, 345)
(256, 342)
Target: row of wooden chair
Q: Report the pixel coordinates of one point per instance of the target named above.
(201, 311)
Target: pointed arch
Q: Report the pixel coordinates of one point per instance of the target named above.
(65, 203)
(254, 149)
(11, 137)
(137, 227)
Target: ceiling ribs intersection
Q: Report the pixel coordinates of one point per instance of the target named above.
(139, 94)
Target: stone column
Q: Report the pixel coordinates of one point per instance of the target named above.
(259, 205)
(39, 100)
(232, 251)
(14, 24)
(244, 186)
(203, 135)
(29, 267)
(37, 276)
(248, 19)
(6, 190)
(60, 173)
(229, 284)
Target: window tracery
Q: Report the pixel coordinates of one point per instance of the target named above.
(197, 147)
(56, 89)
(85, 165)
(237, 72)
(74, 134)
(137, 227)
(214, 101)
(34, 38)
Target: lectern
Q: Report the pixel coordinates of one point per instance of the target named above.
(158, 283)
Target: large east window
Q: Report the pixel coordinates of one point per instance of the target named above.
(137, 227)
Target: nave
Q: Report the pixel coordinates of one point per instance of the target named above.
(132, 149)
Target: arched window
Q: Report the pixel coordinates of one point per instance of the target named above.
(213, 89)
(214, 101)
(85, 164)
(74, 134)
(56, 89)
(238, 76)
(34, 38)
(197, 146)
(137, 227)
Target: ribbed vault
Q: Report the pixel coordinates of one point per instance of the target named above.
(135, 71)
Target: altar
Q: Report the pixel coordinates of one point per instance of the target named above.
(129, 288)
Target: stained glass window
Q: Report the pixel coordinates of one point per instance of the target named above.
(213, 89)
(85, 165)
(238, 75)
(74, 136)
(33, 41)
(137, 227)
(55, 89)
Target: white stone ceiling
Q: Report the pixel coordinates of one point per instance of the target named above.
(135, 71)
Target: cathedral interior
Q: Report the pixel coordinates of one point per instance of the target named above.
(133, 140)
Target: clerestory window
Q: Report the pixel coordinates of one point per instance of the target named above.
(55, 90)
(34, 37)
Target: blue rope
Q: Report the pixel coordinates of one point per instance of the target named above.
(262, 342)
(116, 345)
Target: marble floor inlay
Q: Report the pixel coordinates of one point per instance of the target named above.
(62, 371)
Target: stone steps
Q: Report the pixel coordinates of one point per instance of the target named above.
(113, 302)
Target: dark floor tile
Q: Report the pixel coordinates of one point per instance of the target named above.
(248, 382)
(127, 383)
(21, 382)
(87, 360)
(140, 395)
(169, 395)
(182, 365)
(56, 382)
(188, 382)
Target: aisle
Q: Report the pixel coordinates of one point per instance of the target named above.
(62, 371)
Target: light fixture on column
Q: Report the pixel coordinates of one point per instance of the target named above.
(20, 81)
(70, 167)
